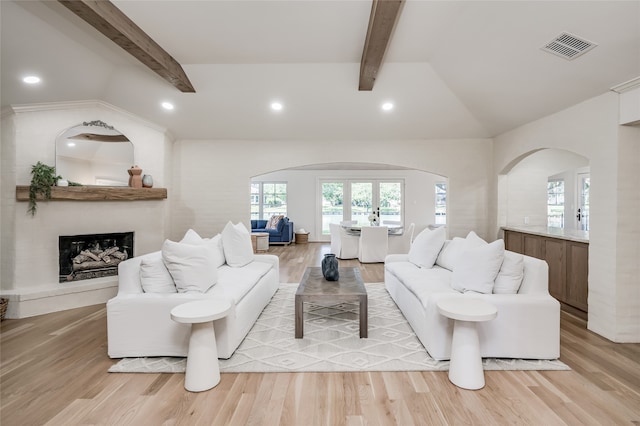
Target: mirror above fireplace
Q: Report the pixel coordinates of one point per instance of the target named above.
(94, 153)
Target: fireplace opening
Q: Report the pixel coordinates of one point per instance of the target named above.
(83, 257)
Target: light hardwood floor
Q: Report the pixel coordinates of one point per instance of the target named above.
(54, 371)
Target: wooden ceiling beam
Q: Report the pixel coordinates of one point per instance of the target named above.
(383, 18)
(110, 21)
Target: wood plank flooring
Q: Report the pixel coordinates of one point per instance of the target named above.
(54, 372)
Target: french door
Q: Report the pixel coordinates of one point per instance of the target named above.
(584, 183)
(356, 200)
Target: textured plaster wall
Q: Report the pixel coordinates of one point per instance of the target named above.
(591, 129)
(30, 244)
(212, 178)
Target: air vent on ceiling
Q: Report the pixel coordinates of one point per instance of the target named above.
(568, 46)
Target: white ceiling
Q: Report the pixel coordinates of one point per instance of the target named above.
(454, 69)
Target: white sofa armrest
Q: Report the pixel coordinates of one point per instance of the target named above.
(396, 258)
(129, 274)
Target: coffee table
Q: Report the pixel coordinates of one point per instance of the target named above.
(314, 288)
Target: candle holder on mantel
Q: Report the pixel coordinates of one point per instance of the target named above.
(135, 177)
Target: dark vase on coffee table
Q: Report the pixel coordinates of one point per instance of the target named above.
(330, 267)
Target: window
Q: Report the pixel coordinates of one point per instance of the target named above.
(555, 203)
(355, 200)
(268, 199)
(441, 203)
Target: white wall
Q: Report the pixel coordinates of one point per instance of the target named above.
(591, 129)
(29, 274)
(526, 193)
(212, 184)
(303, 197)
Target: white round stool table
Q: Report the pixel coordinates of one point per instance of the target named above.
(465, 367)
(203, 371)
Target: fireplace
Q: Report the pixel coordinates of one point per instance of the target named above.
(83, 257)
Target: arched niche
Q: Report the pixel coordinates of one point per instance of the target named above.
(302, 181)
(522, 186)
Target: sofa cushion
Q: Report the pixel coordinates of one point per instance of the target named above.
(191, 237)
(479, 268)
(422, 282)
(155, 277)
(191, 266)
(236, 242)
(511, 274)
(426, 246)
(235, 283)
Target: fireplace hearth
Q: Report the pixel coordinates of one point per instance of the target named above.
(83, 257)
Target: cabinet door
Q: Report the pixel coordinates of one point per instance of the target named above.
(554, 254)
(577, 289)
(533, 245)
(513, 241)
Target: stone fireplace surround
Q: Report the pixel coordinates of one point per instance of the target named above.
(28, 136)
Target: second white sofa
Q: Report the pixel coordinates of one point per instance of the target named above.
(528, 321)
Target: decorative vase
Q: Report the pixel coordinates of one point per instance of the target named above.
(330, 267)
(147, 181)
(135, 180)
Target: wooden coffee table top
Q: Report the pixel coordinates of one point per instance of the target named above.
(314, 285)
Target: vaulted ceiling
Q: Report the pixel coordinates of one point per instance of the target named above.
(453, 69)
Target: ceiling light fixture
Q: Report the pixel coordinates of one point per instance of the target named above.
(276, 106)
(31, 79)
(387, 106)
(71, 144)
(167, 105)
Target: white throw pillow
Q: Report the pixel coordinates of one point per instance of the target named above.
(426, 246)
(479, 268)
(191, 237)
(474, 241)
(236, 242)
(511, 274)
(451, 253)
(216, 244)
(155, 277)
(192, 267)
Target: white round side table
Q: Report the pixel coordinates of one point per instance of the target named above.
(203, 371)
(465, 366)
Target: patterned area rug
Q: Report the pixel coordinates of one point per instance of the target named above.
(331, 342)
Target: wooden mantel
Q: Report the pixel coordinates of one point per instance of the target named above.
(96, 193)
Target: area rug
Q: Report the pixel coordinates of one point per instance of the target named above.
(331, 342)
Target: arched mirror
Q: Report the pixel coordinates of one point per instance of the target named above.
(94, 153)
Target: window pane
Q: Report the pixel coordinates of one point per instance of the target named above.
(390, 201)
(274, 196)
(361, 201)
(555, 203)
(332, 204)
(441, 203)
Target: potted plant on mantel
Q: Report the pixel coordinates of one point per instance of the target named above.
(43, 177)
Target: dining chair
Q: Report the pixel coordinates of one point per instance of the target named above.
(400, 244)
(343, 245)
(374, 244)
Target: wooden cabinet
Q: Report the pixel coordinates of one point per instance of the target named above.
(568, 266)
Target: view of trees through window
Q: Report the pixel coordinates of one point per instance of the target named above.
(555, 203)
(352, 200)
(268, 199)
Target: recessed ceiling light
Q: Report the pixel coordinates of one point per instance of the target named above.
(276, 106)
(31, 79)
(167, 106)
(71, 144)
(387, 106)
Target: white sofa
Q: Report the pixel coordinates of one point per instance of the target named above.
(527, 325)
(139, 323)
